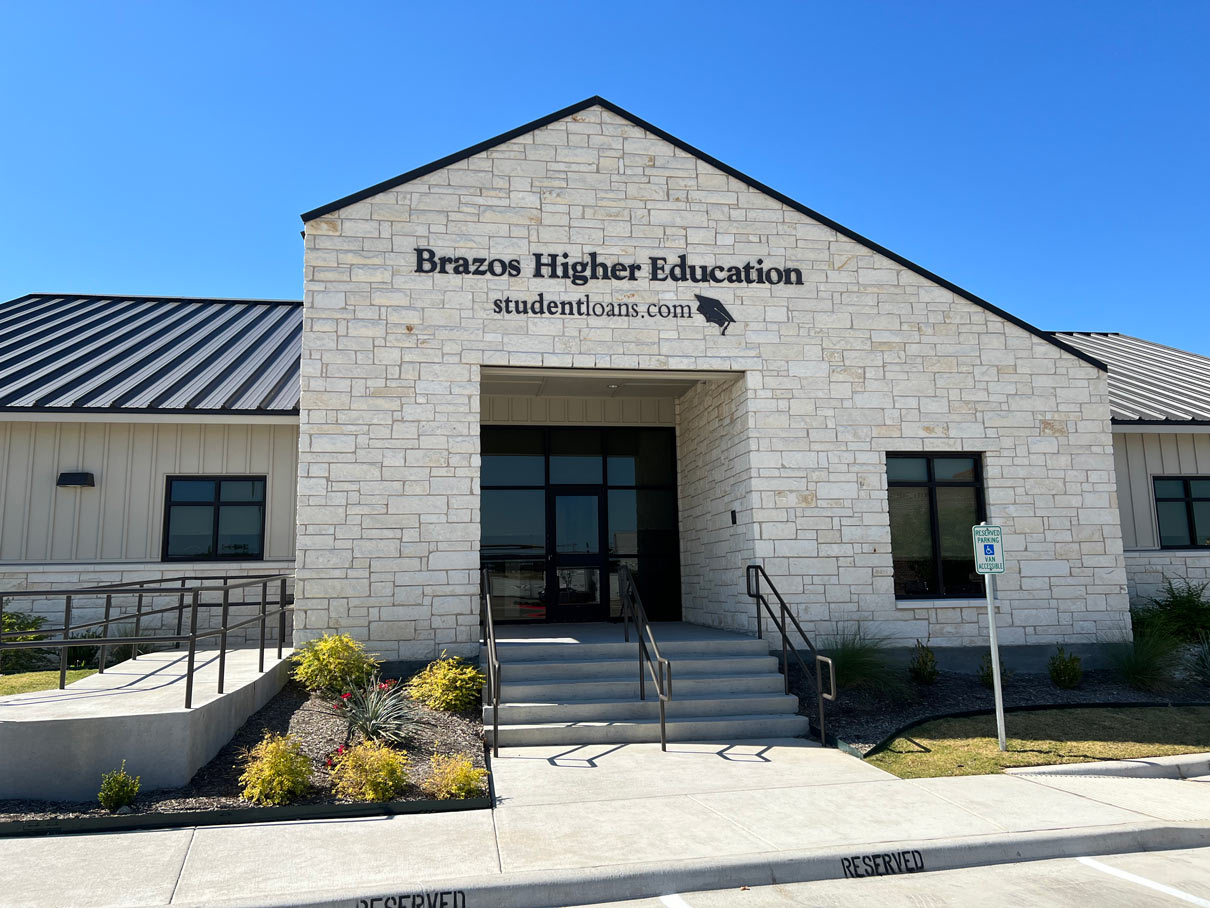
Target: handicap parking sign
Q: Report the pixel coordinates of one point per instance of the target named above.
(989, 549)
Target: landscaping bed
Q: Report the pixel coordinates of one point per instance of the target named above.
(320, 729)
(864, 718)
(967, 745)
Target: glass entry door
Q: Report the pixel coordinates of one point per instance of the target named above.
(576, 559)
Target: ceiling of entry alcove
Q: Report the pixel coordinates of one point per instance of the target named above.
(591, 382)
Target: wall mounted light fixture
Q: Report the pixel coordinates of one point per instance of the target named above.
(75, 479)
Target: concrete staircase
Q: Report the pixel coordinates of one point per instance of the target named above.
(578, 684)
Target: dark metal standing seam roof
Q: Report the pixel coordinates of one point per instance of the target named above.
(1148, 382)
(149, 354)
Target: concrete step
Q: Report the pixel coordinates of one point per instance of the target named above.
(527, 651)
(627, 686)
(690, 728)
(618, 668)
(521, 713)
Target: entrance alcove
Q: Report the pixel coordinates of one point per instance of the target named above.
(584, 470)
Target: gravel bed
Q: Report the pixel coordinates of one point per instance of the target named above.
(309, 717)
(865, 719)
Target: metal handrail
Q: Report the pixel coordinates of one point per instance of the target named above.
(488, 627)
(633, 611)
(138, 589)
(753, 576)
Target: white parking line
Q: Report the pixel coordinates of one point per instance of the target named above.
(673, 900)
(1143, 881)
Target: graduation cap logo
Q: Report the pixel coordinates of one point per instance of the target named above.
(714, 311)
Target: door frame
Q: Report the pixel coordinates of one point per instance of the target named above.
(598, 560)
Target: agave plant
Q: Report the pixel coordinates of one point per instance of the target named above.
(379, 710)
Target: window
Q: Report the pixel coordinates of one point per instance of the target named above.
(1182, 506)
(214, 518)
(935, 499)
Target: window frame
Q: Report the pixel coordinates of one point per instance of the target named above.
(932, 484)
(216, 502)
(1188, 499)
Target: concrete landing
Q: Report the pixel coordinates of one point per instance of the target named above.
(56, 744)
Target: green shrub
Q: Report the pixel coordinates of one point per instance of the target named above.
(455, 776)
(276, 770)
(333, 663)
(1149, 662)
(118, 789)
(862, 663)
(1065, 670)
(1199, 660)
(23, 660)
(1182, 610)
(986, 677)
(448, 683)
(378, 710)
(371, 771)
(923, 666)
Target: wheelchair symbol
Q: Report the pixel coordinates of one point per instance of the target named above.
(989, 548)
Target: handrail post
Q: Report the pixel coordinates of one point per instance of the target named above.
(785, 646)
(138, 625)
(192, 652)
(1, 633)
(222, 639)
(281, 619)
(180, 611)
(103, 652)
(264, 593)
(63, 650)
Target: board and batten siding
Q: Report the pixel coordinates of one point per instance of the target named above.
(1141, 456)
(502, 409)
(122, 518)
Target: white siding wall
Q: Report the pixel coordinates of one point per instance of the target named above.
(122, 518)
(578, 411)
(1139, 456)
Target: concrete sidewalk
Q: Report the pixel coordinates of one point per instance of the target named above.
(610, 822)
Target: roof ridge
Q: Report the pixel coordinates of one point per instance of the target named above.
(128, 297)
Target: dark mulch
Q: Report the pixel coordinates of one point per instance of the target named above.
(310, 718)
(863, 718)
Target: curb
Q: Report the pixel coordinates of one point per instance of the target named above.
(1179, 766)
(551, 889)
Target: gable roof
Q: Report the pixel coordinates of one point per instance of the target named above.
(132, 354)
(597, 101)
(1148, 382)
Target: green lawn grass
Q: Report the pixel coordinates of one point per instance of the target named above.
(23, 682)
(967, 746)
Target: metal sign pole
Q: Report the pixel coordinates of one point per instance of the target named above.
(989, 582)
(989, 560)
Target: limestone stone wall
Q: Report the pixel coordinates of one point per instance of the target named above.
(866, 356)
(1147, 569)
(714, 476)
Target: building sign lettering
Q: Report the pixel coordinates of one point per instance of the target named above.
(580, 271)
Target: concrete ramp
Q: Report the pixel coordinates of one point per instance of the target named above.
(56, 744)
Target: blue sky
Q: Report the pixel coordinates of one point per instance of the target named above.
(1050, 157)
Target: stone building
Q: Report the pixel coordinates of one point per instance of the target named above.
(584, 344)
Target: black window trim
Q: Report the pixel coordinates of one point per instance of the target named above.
(217, 504)
(932, 484)
(1187, 499)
